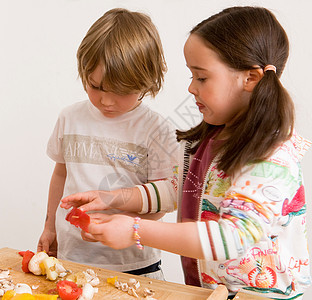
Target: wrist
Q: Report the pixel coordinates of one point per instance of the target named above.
(136, 236)
(49, 226)
(127, 199)
(112, 199)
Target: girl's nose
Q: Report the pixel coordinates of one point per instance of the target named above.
(192, 88)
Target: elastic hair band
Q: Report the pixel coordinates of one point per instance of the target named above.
(269, 68)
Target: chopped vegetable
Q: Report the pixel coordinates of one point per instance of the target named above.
(78, 218)
(24, 296)
(68, 290)
(34, 263)
(27, 255)
(8, 295)
(49, 264)
(83, 277)
(112, 280)
(45, 297)
(22, 288)
(87, 292)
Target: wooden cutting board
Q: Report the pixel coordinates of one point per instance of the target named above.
(9, 258)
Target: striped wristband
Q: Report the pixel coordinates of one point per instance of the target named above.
(150, 197)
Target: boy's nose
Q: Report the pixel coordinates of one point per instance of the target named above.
(106, 99)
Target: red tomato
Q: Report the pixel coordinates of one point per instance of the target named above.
(78, 218)
(68, 290)
(27, 255)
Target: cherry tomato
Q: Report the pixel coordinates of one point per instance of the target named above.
(78, 218)
(27, 255)
(68, 290)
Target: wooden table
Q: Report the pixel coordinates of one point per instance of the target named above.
(10, 259)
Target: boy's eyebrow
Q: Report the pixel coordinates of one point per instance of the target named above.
(91, 80)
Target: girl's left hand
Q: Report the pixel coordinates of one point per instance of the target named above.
(115, 231)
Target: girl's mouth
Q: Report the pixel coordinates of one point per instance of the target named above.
(200, 106)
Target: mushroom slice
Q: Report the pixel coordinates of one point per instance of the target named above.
(35, 261)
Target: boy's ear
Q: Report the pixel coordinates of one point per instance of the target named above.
(253, 76)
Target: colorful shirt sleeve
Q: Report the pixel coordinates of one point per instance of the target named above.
(254, 207)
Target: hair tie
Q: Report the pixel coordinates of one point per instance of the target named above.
(269, 68)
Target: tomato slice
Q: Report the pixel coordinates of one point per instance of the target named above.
(27, 255)
(68, 290)
(21, 253)
(78, 218)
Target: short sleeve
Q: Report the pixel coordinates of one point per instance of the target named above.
(54, 147)
(162, 150)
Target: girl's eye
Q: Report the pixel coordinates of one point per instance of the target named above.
(200, 79)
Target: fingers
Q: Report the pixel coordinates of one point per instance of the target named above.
(77, 199)
(71, 200)
(88, 237)
(98, 218)
(43, 246)
(39, 248)
(90, 206)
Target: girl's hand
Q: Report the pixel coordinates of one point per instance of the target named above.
(115, 231)
(91, 200)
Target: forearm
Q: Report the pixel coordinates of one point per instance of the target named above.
(154, 217)
(152, 197)
(179, 238)
(55, 194)
(161, 198)
(126, 199)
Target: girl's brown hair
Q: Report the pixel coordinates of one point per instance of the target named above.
(127, 46)
(246, 37)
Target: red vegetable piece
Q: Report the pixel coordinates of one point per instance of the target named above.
(68, 290)
(27, 255)
(78, 218)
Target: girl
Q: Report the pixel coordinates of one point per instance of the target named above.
(241, 197)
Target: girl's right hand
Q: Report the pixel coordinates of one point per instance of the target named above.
(115, 231)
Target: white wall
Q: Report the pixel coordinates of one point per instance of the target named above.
(38, 78)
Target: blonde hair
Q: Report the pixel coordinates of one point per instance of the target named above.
(127, 46)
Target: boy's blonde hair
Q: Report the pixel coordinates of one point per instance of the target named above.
(127, 46)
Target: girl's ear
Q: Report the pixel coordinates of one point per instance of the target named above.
(253, 76)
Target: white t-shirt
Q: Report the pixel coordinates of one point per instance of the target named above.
(103, 153)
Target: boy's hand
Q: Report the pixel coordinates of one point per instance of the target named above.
(91, 200)
(48, 243)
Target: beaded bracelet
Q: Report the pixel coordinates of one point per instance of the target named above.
(136, 236)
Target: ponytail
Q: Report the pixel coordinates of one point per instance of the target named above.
(266, 123)
(245, 37)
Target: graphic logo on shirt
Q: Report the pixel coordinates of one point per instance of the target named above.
(96, 150)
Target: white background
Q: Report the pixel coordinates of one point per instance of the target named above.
(38, 77)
